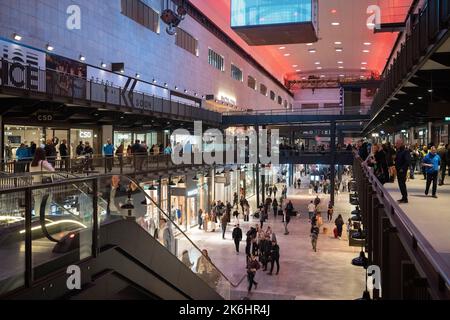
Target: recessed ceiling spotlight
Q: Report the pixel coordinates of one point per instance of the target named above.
(154, 80)
(341, 75)
(312, 50)
(282, 48)
(49, 47)
(298, 70)
(165, 84)
(366, 51)
(340, 62)
(341, 67)
(338, 42)
(367, 43)
(317, 62)
(339, 49)
(333, 11)
(411, 103)
(363, 68)
(287, 54)
(430, 90)
(138, 75)
(103, 64)
(309, 44)
(402, 110)
(397, 113)
(82, 58)
(364, 63)
(303, 78)
(322, 76)
(335, 24)
(319, 68)
(295, 65)
(420, 98)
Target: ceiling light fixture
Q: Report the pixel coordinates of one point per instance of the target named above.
(138, 75)
(366, 51)
(317, 62)
(339, 49)
(341, 67)
(287, 54)
(312, 50)
(319, 68)
(340, 62)
(295, 65)
(363, 62)
(309, 44)
(82, 58)
(338, 42)
(367, 43)
(103, 64)
(282, 48)
(154, 80)
(50, 47)
(335, 24)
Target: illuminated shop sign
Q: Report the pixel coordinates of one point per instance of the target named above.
(85, 134)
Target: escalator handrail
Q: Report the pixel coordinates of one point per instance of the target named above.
(184, 234)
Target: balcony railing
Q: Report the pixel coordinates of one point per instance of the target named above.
(50, 84)
(434, 18)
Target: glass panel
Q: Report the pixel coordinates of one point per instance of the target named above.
(12, 242)
(67, 236)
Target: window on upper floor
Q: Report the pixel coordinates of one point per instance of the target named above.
(285, 104)
(280, 100)
(251, 82)
(236, 73)
(263, 89)
(141, 13)
(216, 60)
(186, 41)
(273, 96)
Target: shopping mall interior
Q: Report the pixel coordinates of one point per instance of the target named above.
(224, 150)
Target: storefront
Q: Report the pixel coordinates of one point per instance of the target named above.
(15, 135)
(223, 188)
(128, 138)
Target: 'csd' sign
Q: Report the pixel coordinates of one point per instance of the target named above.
(43, 117)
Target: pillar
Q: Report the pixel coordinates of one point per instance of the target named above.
(333, 161)
(2, 142)
(257, 166)
(430, 132)
(263, 184)
(291, 175)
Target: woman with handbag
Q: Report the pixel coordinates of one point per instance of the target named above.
(41, 165)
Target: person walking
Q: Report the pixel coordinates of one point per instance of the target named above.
(339, 222)
(330, 212)
(286, 220)
(275, 190)
(253, 266)
(274, 257)
(119, 154)
(186, 259)
(275, 207)
(200, 218)
(224, 223)
(235, 200)
(40, 164)
(237, 237)
(431, 163)
(314, 236)
(402, 163)
(311, 209)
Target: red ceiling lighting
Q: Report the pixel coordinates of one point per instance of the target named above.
(333, 11)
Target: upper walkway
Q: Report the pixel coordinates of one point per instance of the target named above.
(285, 116)
(430, 216)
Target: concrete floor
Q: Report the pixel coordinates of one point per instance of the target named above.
(323, 275)
(431, 216)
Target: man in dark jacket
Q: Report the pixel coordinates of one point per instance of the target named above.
(442, 152)
(50, 152)
(64, 154)
(253, 266)
(237, 237)
(224, 222)
(274, 257)
(402, 163)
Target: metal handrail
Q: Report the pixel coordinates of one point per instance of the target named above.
(182, 232)
(407, 225)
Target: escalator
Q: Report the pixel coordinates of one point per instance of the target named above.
(119, 255)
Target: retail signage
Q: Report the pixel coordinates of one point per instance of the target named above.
(17, 60)
(85, 134)
(44, 117)
(447, 118)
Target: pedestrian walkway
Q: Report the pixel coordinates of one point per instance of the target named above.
(304, 274)
(431, 216)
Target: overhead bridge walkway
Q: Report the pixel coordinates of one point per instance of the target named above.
(122, 252)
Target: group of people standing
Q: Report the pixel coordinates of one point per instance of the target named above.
(389, 163)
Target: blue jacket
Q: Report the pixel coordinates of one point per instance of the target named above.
(108, 150)
(22, 153)
(435, 160)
